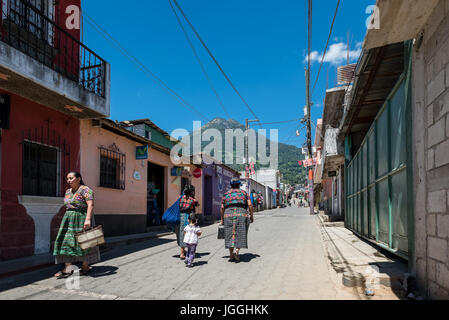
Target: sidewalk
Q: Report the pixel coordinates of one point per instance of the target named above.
(17, 266)
(359, 262)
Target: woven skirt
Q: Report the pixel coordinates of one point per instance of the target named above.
(236, 225)
(179, 229)
(67, 249)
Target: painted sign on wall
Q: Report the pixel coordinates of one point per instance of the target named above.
(142, 153)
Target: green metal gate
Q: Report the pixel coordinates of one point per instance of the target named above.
(379, 188)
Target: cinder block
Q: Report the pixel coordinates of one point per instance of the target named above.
(442, 275)
(447, 76)
(443, 226)
(432, 270)
(444, 103)
(442, 154)
(447, 211)
(430, 115)
(436, 292)
(436, 202)
(431, 225)
(447, 125)
(436, 133)
(436, 87)
(430, 159)
(438, 249)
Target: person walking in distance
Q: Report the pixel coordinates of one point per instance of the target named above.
(191, 234)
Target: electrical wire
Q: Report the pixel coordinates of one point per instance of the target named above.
(293, 135)
(139, 64)
(199, 60)
(281, 122)
(325, 49)
(215, 60)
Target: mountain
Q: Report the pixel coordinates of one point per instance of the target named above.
(288, 155)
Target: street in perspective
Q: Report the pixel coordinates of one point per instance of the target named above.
(292, 263)
(224, 150)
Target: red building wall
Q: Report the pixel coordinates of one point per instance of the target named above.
(17, 228)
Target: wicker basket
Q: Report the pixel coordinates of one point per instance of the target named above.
(90, 238)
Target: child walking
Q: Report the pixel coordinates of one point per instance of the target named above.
(191, 234)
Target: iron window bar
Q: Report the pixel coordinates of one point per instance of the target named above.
(33, 31)
(47, 138)
(112, 168)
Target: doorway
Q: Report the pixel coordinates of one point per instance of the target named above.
(155, 194)
(207, 195)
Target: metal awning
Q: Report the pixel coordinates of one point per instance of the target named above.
(376, 75)
(399, 20)
(333, 107)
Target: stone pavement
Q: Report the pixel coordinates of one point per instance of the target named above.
(286, 259)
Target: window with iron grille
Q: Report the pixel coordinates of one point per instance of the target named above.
(112, 168)
(40, 170)
(29, 14)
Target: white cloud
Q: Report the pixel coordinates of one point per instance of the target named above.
(337, 54)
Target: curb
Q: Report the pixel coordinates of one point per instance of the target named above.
(352, 276)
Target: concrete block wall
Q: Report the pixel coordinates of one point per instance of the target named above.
(431, 144)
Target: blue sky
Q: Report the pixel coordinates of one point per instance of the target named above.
(261, 45)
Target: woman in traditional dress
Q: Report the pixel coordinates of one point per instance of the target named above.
(236, 220)
(187, 206)
(79, 203)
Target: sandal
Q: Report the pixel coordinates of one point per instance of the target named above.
(232, 258)
(237, 258)
(84, 272)
(63, 275)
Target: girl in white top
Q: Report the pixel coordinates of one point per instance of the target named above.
(191, 234)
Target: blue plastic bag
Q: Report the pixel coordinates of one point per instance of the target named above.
(173, 215)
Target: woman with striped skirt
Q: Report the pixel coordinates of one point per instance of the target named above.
(236, 220)
(187, 206)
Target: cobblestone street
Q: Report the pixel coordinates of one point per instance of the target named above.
(286, 260)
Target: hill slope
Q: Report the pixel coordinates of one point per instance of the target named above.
(288, 155)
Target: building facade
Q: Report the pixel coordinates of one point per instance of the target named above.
(49, 81)
(396, 136)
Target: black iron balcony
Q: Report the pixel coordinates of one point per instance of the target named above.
(29, 28)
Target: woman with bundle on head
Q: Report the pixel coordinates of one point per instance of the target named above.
(236, 220)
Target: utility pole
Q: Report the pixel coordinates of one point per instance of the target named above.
(309, 126)
(247, 154)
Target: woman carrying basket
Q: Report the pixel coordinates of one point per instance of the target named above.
(79, 203)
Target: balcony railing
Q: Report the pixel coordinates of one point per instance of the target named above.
(30, 29)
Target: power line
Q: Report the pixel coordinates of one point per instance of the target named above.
(215, 60)
(139, 64)
(199, 60)
(281, 122)
(325, 49)
(293, 135)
